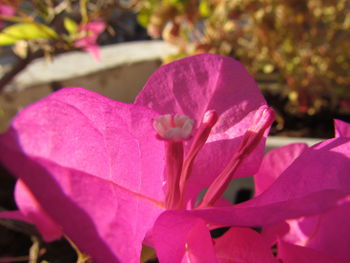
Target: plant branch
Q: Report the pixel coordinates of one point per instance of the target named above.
(18, 67)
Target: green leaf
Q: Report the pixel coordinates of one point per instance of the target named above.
(70, 26)
(204, 8)
(25, 31)
(143, 17)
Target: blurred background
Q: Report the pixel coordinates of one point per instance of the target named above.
(298, 52)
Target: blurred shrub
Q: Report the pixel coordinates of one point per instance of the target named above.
(36, 28)
(49, 25)
(303, 45)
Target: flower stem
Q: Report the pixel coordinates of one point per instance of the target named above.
(81, 257)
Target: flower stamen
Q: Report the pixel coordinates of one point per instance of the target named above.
(201, 136)
(173, 129)
(264, 117)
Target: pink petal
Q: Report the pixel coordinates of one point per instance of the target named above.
(342, 128)
(83, 130)
(243, 245)
(328, 232)
(88, 44)
(33, 211)
(74, 199)
(83, 42)
(96, 27)
(94, 50)
(194, 85)
(290, 253)
(15, 215)
(274, 163)
(178, 238)
(315, 182)
(272, 233)
(86, 152)
(7, 10)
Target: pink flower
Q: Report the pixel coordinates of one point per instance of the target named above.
(90, 32)
(190, 237)
(323, 237)
(5, 10)
(112, 176)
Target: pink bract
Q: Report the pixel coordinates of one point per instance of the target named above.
(76, 169)
(88, 43)
(276, 161)
(342, 128)
(320, 238)
(193, 86)
(6, 10)
(243, 245)
(98, 170)
(35, 214)
(187, 239)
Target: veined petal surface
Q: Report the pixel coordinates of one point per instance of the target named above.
(95, 167)
(194, 85)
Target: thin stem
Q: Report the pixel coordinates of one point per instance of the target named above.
(34, 254)
(82, 258)
(174, 162)
(83, 11)
(17, 68)
(201, 136)
(34, 251)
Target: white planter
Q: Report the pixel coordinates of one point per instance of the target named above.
(121, 73)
